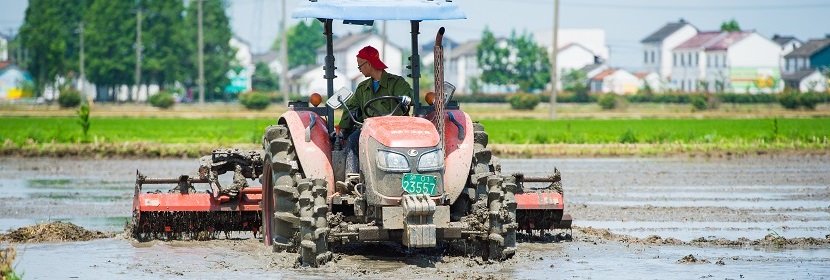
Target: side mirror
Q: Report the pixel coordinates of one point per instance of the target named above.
(340, 96)
(449, 90)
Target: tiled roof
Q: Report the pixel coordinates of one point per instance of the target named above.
(343, 43)
(641, 75)
(446, 42)
(798, 75)
(781, 40)
(810, 48)
(468, 48)
(701, 40)
(603, 74)
(591, 67)
(664, 32)
(726, 41)
(266, 57)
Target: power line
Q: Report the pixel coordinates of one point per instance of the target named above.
(606, 5)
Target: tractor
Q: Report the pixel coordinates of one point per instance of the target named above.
(426, 177)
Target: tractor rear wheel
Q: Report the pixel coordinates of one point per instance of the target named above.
(489, 202)
(501, 202)
(313, 225)
(283, 221)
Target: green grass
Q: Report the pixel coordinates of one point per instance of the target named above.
(655, 131)
(118, 130)
(20, 130)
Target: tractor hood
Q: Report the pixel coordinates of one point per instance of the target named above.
(379, 10)
(401, 131)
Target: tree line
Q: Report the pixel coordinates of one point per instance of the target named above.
(53, 30)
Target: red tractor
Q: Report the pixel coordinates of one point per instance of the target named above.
(424, 178)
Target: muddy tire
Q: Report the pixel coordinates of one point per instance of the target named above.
(313, 225)
(283, 222)
(501, 203)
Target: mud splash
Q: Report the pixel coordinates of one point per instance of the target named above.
(52, 232)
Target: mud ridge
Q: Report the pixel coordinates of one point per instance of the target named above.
(590, 234)
(52, 232)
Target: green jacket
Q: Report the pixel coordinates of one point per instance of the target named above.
(390, 85)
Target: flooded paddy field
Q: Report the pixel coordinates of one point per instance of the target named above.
(686, 218)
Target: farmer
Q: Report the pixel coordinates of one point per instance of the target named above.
(379, 83)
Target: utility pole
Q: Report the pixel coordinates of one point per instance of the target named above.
(383, 48)
(201, 43)
(553, 72)
(82, 78)
(138, 50)
(284, 56)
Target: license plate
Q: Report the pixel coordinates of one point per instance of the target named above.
(418, 184)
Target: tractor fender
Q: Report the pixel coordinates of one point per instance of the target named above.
(459, 151)
(314, 155)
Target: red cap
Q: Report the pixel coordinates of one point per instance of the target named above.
(371, 54)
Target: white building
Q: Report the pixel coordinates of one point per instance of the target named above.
(242, 69)
(788, 44)
(461, 66)
(4, 48)
(271, 59)
(576, 47)
(658, 46)
(806, 81)
(614, 81)
(687, 69)
(746, 62)
(652, 79)
(345, 56)
(308, 79)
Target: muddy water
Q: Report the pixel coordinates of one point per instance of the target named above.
(678, 198)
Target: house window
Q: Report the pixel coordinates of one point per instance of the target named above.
(674, 59)
(652, 57)
(645, 56)
(690, 59)
(697, 59)
(682, 60)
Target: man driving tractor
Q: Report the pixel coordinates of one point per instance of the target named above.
(379, 83)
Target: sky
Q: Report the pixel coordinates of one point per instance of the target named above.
(625, 22)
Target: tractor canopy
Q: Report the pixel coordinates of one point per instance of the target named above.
(368, 10)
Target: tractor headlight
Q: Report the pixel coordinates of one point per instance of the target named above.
(431, 161)
(392, 161)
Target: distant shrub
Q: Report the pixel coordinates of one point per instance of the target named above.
(162, 100)
(608, 102)
(69, 98)
(255, 100)
(699, 103)
(523, 101)
(789, 100)
(810, 100)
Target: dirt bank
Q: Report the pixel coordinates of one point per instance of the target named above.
(52, 232)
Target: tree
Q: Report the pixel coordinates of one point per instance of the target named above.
(576, 81)
(263, 79)
(303, 42)
(530, 70)
(730, 26)
(492, 59)
(49, 35)
(164, 46)
(218, 53)
(110, 44)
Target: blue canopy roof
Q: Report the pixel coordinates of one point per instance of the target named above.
(380, 10)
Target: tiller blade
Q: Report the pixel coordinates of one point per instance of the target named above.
(184, 213)
(541, 208)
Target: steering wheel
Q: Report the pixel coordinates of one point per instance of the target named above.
(401, 104)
